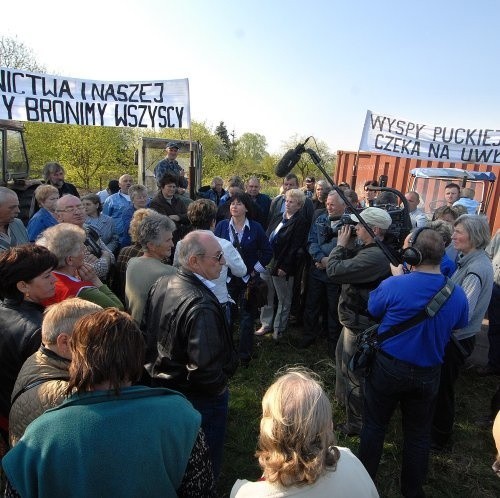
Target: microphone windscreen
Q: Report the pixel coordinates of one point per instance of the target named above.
(287, 162)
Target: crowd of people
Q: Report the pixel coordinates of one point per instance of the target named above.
(122, 312)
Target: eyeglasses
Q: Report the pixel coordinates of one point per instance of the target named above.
(71, 209)
(218, 256)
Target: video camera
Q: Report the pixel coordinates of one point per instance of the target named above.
(401, 223)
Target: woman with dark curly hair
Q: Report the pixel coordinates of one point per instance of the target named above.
(26, 282)
(296, 446)
(251, 241)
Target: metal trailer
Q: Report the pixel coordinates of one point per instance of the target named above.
(355, 168)
(152, 150)
(15, 166)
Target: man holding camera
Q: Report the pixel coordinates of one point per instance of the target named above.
(359, 270)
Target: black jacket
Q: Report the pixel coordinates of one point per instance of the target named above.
(20, 337)
(189, 345)
(288, 244)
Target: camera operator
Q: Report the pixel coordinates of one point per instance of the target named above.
(406, 369)
(322, 239)
(359, 271)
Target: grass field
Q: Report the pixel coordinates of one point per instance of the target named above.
(464, 472)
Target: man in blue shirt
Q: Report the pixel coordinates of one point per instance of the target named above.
(407, 368)
(116, 204)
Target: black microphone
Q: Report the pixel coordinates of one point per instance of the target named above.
(289, 160)
(314, 156)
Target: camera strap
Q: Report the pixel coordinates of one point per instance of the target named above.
(430, 310)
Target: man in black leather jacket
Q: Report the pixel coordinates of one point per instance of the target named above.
(189, 345)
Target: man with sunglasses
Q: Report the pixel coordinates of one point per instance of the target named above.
(189, 344)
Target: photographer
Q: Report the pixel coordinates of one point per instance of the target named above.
(359, 271)
(407, 367)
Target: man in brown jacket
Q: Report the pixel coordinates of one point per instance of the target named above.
(42, 381)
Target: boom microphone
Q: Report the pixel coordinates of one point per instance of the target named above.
(289, 160)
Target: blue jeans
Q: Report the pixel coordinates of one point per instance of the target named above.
(392, 382)
(213, 411)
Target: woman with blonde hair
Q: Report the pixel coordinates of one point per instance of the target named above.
(296, 446)
(47, 197)
(287, 236)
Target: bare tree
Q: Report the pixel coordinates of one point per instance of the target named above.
(15, 54)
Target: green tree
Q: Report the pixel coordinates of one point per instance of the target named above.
(89, 152)
(15, 54)
(306, 166)
(90, 155)
(251, 147)
(221, 132)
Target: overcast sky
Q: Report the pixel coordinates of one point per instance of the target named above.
(279, 67)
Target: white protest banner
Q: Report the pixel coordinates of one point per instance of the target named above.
(45, 98)
(400, 137)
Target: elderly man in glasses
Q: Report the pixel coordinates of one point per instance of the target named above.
(189, 344)
(69, 209)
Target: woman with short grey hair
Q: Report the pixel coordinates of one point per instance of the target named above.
(74, 277)
(154, 234)
(474, 273)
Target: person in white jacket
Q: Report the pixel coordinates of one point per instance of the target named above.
(296, 446)
(201, 214)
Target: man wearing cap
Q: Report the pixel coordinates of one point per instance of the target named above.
(310, 184)
(170, 165)
(359, 269)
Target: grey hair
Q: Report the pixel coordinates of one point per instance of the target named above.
(192, 245)
(137, 189)
(51, 168)
(476, 226)
(63, 240)
(443, 228)
(151, 228)
(6, 192)
(61, 317)
(334, 193)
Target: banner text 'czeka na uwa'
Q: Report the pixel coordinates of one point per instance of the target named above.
(400, 137)
(45, 98)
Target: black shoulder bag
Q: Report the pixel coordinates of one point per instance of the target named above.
(369, 341)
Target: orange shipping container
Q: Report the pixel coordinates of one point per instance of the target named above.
(370, 166)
